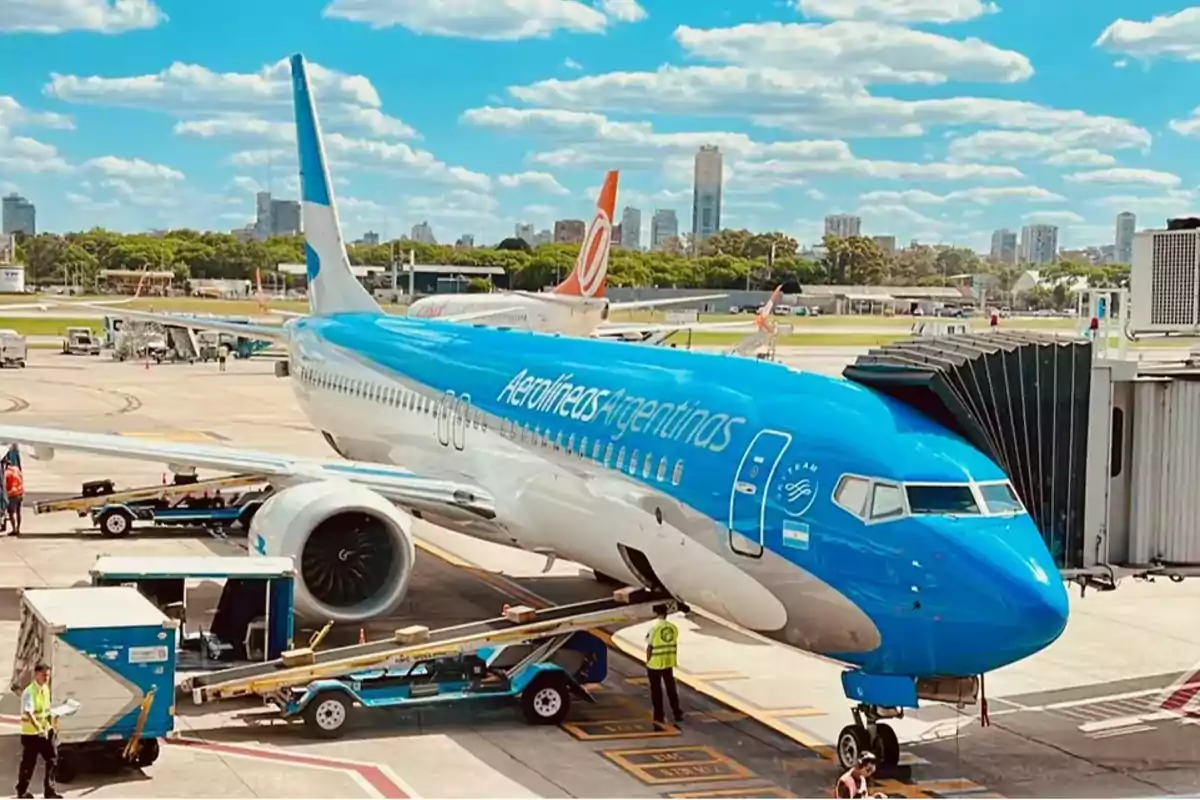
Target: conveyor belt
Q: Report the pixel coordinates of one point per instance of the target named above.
(274, 675)
(1021, 398)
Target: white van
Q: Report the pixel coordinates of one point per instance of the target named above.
(13, 349)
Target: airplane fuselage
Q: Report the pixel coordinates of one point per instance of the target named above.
(744, 486)
(565, 314)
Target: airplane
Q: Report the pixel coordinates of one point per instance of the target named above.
(811, 509)
(577, 306)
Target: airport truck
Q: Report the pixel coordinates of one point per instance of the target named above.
(80, 341)
(13, 349)
(111, 654)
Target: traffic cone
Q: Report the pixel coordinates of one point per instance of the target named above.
(362, 636)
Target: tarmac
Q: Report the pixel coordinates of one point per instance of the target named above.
(1108, 710)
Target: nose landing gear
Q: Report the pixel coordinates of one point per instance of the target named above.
(869, 733)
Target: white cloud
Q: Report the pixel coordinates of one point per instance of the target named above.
(1184, 127)
(457, 205)
(539, 210)
(1172, 203)
(1169, 35)
(543, 181)
(871, 51)
(492, 20)
(1054, 217)
(1085, 157)
(1121, 175)
(898, 10)
(89, 205)
(983, 195)
(22, 154)
(893, 217)
(815, 194)
(595, 141)
(133, 169)
(1065, 148)
(13, 115)
(60, 16)
(571, 63)
(623, 10)
(809, 102)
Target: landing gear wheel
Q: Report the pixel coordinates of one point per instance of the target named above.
(148, 750)
(547, 700)
(851, 742)
(327, 715)
(887, 746)
(115, 523)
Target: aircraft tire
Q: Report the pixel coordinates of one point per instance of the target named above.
(851, 742)
(887, 746)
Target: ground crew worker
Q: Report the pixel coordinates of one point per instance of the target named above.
(14, 489)
(662, 651)
(222, 354)
(37, 734)
(854, 783)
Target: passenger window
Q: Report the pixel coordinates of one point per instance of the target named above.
(851, 494)
(662, 470)
(954, 498)
(558, 442)
(608, 454)
(1000, 498)
(571, 444)
(621, 458)
(596, 451)
(583, 447)
(677, 473)
(647, 465)
(887, 502)
(633, 463)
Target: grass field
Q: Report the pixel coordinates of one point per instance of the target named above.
(47, 326)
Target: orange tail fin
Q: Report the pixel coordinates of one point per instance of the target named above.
(590, 276)
(763, 318)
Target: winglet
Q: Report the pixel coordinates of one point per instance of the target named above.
(590, 276)
(332, 286)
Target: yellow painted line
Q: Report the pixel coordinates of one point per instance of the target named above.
(627, 728)
(444, 555)
(666, 765)
(751, 791)
(803, 711)
(950, 785)
(727, 675)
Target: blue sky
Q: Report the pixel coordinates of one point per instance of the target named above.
(938, 120)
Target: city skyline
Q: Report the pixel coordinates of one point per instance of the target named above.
(192, 124)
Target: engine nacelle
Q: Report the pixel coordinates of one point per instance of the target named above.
(353, 549)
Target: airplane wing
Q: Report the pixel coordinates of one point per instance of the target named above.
(634, 305)
(474, 315)
(621, 329)
(45, 305)
(400, 486)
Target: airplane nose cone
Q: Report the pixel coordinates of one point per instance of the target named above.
(1032, 595)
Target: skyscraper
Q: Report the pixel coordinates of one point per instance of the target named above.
(1004, 247)
(664, 226)
(1039, 244)
(19, 216)
(706, 194)
(285, 218)
(422, 233)
(569, 231)
(524, 230)
(631, 228)
(1126, 227)
(843, 225)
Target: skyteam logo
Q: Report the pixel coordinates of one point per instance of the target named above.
(620, 412)
(592, 267)
(797, 490)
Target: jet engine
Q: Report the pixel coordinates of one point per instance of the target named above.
(352, 548)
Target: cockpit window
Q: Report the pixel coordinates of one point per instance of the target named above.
(1000, 498)
(887, 501)
(852, 493)
(941, 499)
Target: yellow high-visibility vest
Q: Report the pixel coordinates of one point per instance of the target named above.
(664, 645)
(41, 710)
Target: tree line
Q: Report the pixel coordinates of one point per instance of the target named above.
(732, 259)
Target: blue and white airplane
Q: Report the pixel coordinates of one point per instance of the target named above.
(810, 509)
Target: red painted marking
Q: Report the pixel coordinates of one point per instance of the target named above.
(1187, 690)
(371, 773)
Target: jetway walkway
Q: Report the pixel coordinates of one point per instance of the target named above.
(1021, 398)
(301, 667)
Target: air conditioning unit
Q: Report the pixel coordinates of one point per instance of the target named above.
(1164, 281)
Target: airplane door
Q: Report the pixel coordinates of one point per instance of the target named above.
(748, 498)
(460, 420)
(442, 413)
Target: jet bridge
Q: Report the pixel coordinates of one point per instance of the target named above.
(1022, 398)
(1104, 453)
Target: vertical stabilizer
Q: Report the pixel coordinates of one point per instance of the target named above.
(332, 287)
(590, 276)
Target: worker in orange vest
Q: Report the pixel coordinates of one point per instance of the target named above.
(14, 488)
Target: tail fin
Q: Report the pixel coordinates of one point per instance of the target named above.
(763, 319)
(332, 287)
(590, 276)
